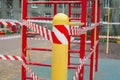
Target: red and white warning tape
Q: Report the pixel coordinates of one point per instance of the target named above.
(83, 61)
(36, 38)
(9, 22)
(112, 37)
(111, 23)
(9, 57)
(78, 41)
(18, 58)
(82, 30)
(44, 32)
(32, 74)
(10, 37)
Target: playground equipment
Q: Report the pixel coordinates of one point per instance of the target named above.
(95, 19)
(48, 35)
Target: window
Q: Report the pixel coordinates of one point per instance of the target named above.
(76, 5)
(0, 15)
(106, 3)
(48, 14)
(48, 5)
(0, 3)
(34, 5)
(119, 18)
(9, 15)
(62, 5)
(76, 15)
(9, 3)
(20, 3)
(105, 17)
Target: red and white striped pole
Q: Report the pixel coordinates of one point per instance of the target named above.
(60, 47)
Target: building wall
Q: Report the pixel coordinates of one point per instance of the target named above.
(39, 10)
(114, 16)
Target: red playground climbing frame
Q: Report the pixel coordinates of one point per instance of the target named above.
(87, 8)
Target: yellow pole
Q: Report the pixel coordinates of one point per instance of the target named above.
(59, 50)
(108, 31)
(28, 53)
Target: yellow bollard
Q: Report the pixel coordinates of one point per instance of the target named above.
(60, 47)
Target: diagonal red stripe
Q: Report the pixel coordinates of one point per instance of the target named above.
(15, 57)
(9, 24)
(6, 57)
(47, 34)
(63, 30)
(43, 32)
(55, 39)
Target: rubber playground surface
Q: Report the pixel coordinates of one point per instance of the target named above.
(109, 69)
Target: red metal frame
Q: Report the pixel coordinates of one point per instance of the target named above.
(83, 37)
(24, 37)
(97, 37)
(83, 19)
(95, 55)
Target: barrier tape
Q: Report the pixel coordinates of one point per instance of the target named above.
(10, 37)
(78, 41)
(82, 30)
(19, 58)
(47, 34)
(9, 22)
(36, 38)
(83, 62)
(43, 32)
(9, 57)
(112, 37)
(111, 23)
(34, 76)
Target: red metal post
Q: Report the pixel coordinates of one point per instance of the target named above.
(55, 9)
(69, 10)
(24, 39)
(83, 37)
(69, 15)
(92, 42)
(93, 38)
(97, 37)
(53, 2)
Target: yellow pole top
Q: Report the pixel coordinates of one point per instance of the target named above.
(76, 23)
(61, 19)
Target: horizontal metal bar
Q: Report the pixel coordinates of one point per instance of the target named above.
(53, 2)
(79, 64)
(30, 78)
(40, 49)
(49, 65)
(38, 64)
(49, 18)
(78, 51)
(40, 18)
(46, 49)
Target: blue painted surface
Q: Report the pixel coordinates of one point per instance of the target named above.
(109, 69)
